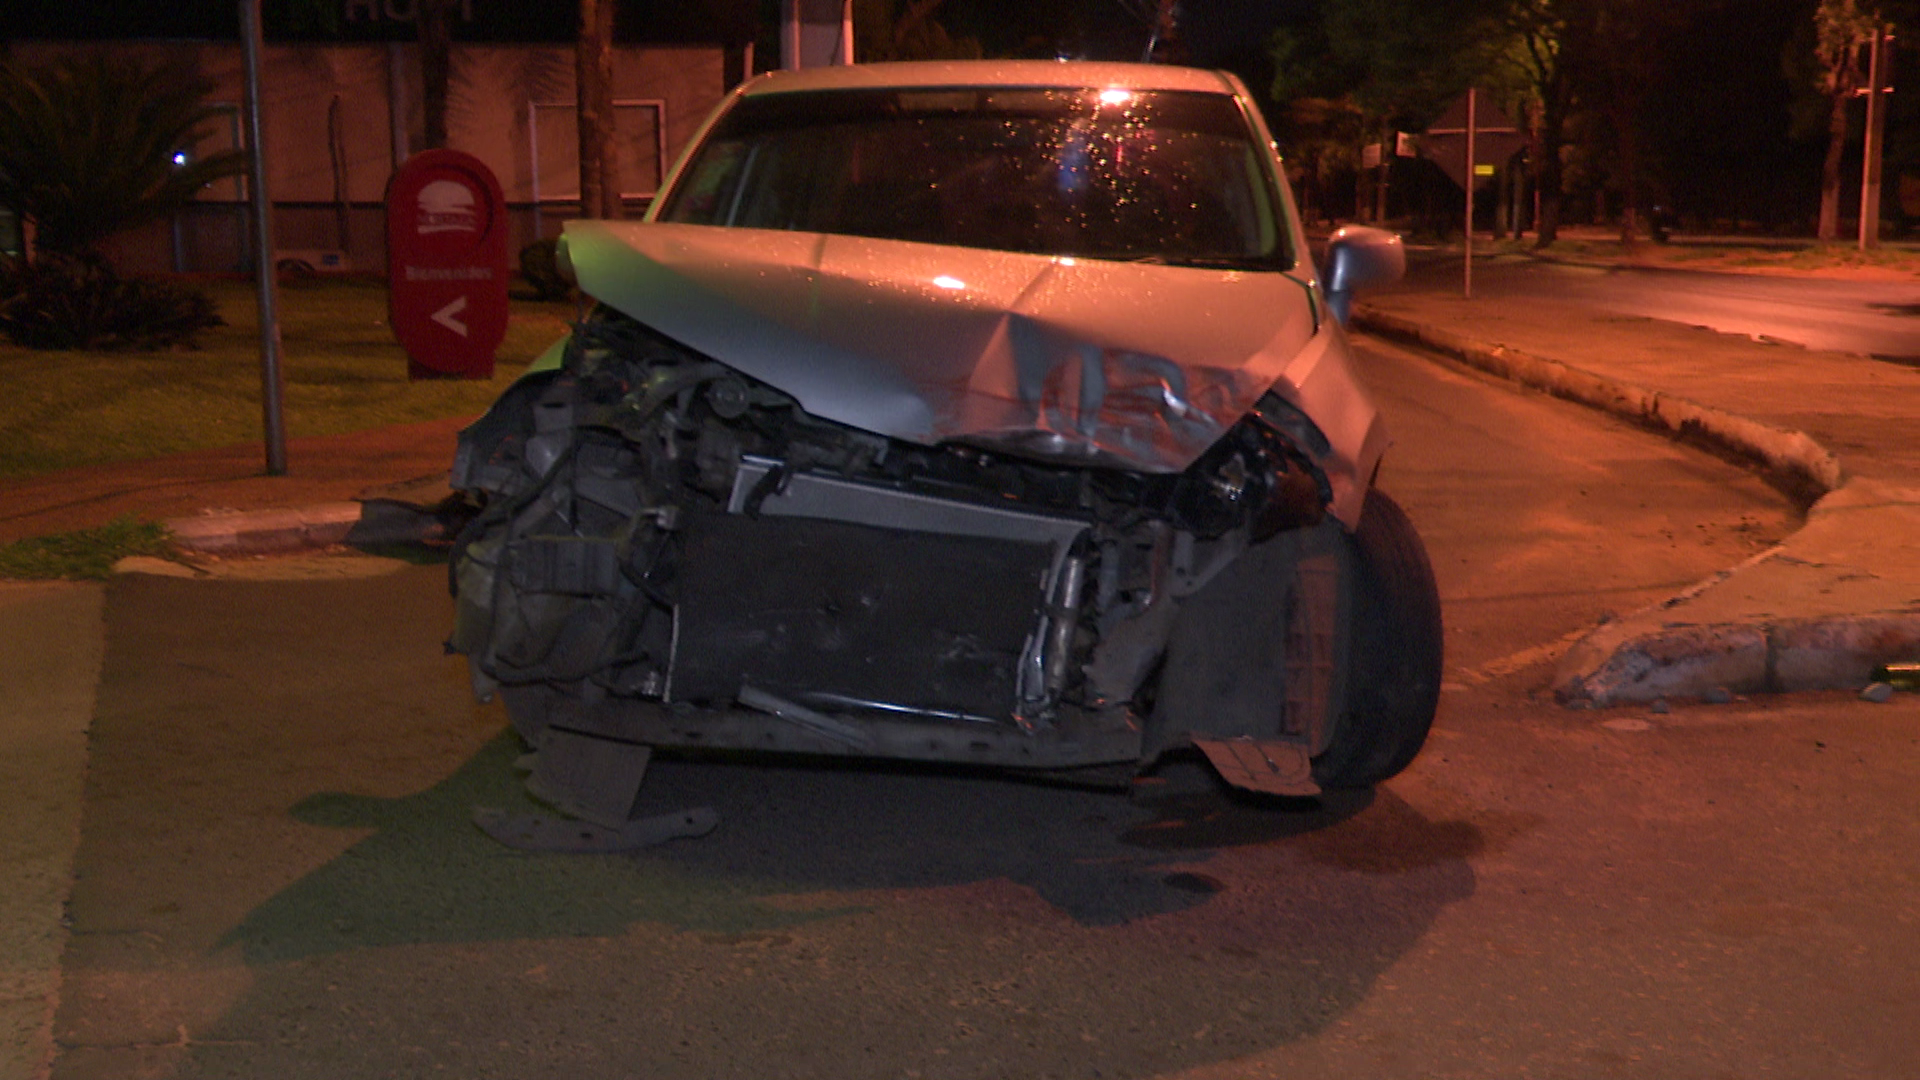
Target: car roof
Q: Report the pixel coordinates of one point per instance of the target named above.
(1069, 74)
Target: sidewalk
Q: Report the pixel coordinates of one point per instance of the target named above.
(376, 485)
(51, 645)
(1835, 431)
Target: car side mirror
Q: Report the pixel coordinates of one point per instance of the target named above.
(1360, 257)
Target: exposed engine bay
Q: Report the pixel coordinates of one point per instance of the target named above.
(672, 553)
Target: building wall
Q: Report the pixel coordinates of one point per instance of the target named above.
(338, 118)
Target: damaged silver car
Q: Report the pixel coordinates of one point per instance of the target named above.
(965, 412)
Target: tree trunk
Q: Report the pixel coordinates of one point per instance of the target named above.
(436, 60)
(599, 157)
(1503, 179)
(1629, 185)
(1829, 228)
(1546, 176)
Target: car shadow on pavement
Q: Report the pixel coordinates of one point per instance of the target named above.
(209, 685)
(1187, 927)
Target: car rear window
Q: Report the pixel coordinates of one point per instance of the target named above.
(1118, 174)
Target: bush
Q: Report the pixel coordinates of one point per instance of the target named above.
(79, 302)
(541, 268)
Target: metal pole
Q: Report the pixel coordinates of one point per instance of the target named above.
(1870, 164)
(790, 35)
(271, 384)
(1473, 105)
(397, 103)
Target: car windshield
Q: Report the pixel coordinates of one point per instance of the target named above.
(1113, 174)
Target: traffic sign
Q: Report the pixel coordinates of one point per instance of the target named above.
(1495, 139)
(447, 264)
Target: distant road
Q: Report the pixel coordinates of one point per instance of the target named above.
(1870, 318)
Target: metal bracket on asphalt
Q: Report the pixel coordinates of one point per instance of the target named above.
(1269, 766)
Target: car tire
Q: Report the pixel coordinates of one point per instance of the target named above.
(1393, 675)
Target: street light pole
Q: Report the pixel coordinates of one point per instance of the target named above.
(1870, 166)
(271, 385)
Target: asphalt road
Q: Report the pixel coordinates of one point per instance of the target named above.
(1870, 318)
(277, 876)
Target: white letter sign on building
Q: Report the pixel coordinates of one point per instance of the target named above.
(447, 264)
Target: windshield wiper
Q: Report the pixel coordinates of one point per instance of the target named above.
(1209, 262)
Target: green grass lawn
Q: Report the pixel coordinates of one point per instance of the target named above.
(342, 368)
(88, 553)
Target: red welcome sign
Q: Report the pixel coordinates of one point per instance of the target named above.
(447, 264)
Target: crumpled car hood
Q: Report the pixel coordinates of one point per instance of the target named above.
(1138, 365)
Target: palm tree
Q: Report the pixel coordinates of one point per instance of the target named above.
(90, 146)
(599, 158)
(906, 30)
(434, 24)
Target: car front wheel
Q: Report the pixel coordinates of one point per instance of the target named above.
(1393, 676)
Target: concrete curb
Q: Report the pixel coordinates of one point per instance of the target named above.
(1617, 667)
(368, 521)
(1806, 468)
(256, 532)
(1644, 657)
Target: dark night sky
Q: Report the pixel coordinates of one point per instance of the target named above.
(494, 20)
(1213, 28)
